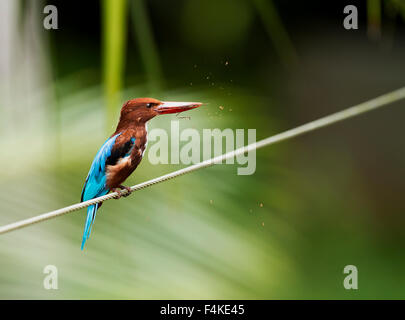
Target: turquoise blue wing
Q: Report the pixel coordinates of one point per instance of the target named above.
(95, 185)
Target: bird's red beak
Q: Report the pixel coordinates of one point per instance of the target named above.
(175, 107)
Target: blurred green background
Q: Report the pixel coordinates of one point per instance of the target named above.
(315, 204)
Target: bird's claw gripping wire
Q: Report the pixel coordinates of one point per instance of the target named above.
(119, 193)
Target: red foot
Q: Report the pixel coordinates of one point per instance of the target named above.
(129, 191)
(118, 191)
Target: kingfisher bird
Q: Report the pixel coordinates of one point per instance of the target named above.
(120, 155)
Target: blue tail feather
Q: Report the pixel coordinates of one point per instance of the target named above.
(91, 215)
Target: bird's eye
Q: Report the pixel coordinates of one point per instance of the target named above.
(149, 105)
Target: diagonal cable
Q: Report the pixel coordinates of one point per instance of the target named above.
(308, 127)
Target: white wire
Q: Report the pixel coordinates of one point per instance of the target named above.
(310, 126)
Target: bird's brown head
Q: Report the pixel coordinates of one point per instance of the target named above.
(141, 110)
